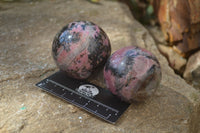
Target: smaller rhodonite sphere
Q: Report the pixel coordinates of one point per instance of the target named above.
(132, 73)
(79, 48)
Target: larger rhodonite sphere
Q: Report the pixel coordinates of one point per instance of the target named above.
(132, 73)
(79, 48)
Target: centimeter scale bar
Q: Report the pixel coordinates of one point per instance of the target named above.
(83, 94)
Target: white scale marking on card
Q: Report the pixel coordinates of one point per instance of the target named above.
(90, 97)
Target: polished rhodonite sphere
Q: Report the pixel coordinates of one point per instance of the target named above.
(132, 73)
(79, 48)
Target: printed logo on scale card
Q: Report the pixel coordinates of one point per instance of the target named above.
(88, 90)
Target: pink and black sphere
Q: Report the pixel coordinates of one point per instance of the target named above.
(132, 73)
(80, 48)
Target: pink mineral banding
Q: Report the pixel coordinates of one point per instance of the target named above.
(79, 48)
(132, 73)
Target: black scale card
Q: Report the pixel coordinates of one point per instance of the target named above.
(90, 97)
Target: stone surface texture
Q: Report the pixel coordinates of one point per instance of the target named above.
(176, 61)
(26, 33)
(181, 31)
(192, 72)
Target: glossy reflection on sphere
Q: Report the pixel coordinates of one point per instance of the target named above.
(132, 73)
(79, 48)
